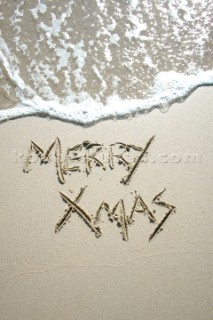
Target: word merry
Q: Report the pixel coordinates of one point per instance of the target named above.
(91, 154)
(116, 213)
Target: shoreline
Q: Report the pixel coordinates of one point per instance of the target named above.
(83, 114)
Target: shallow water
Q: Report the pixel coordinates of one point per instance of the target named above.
(84, 61)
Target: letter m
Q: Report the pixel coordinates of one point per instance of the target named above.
(45, 157)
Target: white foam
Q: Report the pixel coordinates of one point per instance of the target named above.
(40, 8)
(168, 88)
(134, 4)
(6, 60)
(138, 27)
(89, 62)
(79, 55)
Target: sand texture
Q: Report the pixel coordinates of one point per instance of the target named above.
(104, 266)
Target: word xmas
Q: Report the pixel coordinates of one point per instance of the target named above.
(117, 214)
(92, 154)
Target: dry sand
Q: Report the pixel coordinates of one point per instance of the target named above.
(74, 275)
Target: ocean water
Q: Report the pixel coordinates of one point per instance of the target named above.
(89, 60)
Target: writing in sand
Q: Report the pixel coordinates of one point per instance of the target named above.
(85, 156)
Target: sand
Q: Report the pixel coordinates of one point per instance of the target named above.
(72, 274)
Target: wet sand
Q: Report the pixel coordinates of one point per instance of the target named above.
(65, 51)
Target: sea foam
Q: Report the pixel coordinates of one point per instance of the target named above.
(84, 62)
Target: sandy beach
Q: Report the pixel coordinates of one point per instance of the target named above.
(72, 274)
(106, 219)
